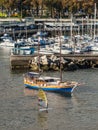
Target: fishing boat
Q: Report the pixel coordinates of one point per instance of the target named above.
(42, 100)
(34, 80)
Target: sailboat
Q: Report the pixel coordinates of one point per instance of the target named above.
(42, 100)
(36, 81)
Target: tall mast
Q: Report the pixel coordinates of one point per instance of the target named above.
(26, 30)
(91, 27)
(71, 27)
(82, 26)
(60, 54)
(94, 20)
(38, 53)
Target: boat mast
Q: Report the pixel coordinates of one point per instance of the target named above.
(91, 28)
(71, 27)
(60, 63)
(26, 30)
(94, 21)
(82, 26)
(60, 33)
(38, 54)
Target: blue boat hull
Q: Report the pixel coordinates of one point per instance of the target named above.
(59, 90)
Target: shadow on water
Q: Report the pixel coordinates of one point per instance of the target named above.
(19, 71)
(29, 91)
(62, 94)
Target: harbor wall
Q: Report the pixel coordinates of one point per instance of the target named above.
(53, 62)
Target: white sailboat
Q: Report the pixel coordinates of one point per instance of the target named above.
(7, 41)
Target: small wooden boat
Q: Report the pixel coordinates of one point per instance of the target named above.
(34, 80)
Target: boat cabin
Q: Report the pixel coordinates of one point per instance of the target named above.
(49, 79)
(31, 75)
(35, 77)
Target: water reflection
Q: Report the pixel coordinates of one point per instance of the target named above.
(75, 100)
(6, 51)
(30, 92)
(19, 71)
(42, 120)
(42, 116)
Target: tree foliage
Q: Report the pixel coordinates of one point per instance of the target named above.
(53, 7)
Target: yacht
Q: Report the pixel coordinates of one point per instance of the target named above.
(6, 41)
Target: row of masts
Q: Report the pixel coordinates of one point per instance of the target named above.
(71, 34)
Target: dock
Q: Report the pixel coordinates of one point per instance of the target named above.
(22, 61)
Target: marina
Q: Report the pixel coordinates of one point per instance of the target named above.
(14, 26)
(48, 65)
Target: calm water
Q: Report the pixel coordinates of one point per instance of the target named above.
(19, 106)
